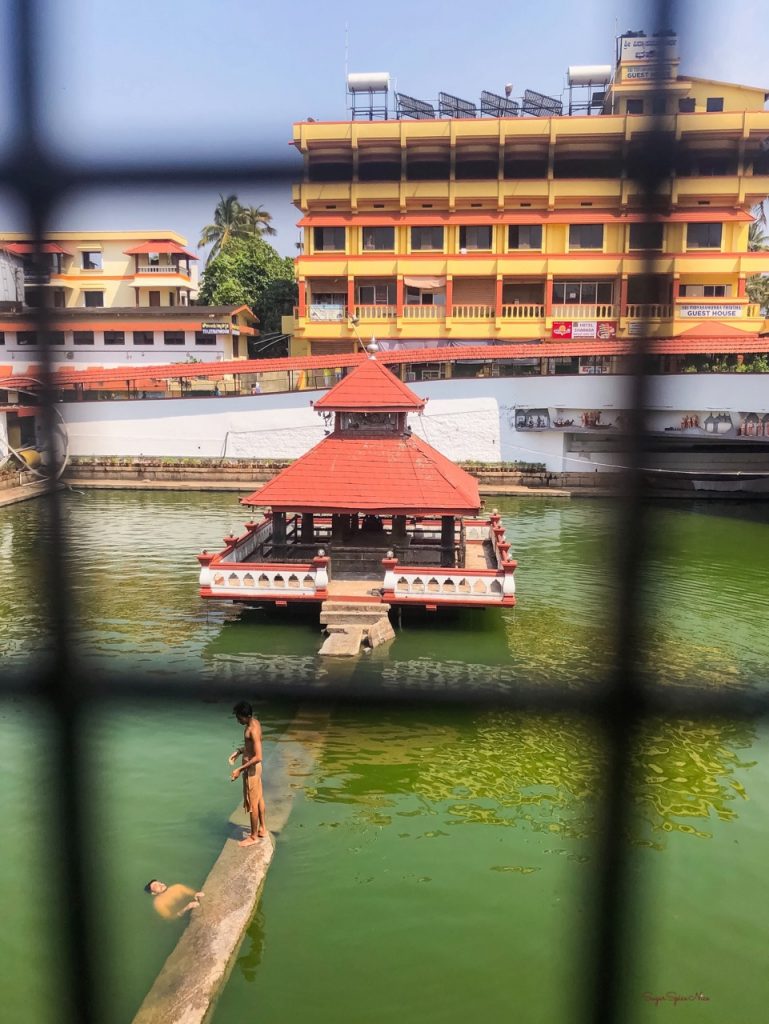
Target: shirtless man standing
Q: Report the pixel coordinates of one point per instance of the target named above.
(251, 770)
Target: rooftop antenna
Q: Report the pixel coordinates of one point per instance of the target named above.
(346, 56)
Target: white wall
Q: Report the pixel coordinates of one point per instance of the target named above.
(464, 419)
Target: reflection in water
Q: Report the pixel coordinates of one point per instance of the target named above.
(252, 949)
(531, 772)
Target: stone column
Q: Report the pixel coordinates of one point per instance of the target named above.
(399, 536)
(337, 528)
(447, 541)
(278, 529)
(308, 527)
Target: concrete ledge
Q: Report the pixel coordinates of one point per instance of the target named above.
(12, 495)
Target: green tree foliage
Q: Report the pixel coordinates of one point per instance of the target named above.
(757, 288)
(249, 270)
(229, 222)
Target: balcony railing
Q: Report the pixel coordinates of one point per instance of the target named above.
(164, 268)
(523, 311)
(648, 311)
(375, 312)
(424, 312)
(601, 311)
(472, 312)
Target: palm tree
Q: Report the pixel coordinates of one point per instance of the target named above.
(257, 220)
(758, 241)
(228, 223)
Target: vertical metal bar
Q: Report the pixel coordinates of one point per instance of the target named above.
(611, 951)
(62, 758)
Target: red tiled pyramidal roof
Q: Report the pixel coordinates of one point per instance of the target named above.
(370, 386)
(394, 474)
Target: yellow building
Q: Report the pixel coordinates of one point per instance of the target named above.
(112, 269)
(488, 228)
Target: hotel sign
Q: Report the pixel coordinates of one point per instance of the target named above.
(720, 311)
(214, 328)
(565, 330)
(649, 48)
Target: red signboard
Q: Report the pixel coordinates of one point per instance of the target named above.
(566, 329)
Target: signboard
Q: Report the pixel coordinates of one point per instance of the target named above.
(718, 311)
(649, 48)
(567, 329)
(214, 328)
(636, 74)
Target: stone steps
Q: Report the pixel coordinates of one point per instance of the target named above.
(351, 623)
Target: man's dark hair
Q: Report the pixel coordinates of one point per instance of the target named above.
(148, 886)
(243, 710)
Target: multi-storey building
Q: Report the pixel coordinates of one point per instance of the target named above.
(113, 269)
(523, 228)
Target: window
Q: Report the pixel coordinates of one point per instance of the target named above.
(378, 238)
(586, 236)
(173, 337)
(706, 291)
(91, 259)
(114, 337)
(687, 106)
(646, 236)
(92, 299)
(2, 337)
(376, 295)
(144, 338)
(83, 337)
(26, 337)
(583, 292)
(154, 299)
(703, 236)
(426, 238)
(714, 103)
(524, 236)
(476, 236)
(329, 239)
(56, 337)
(204, 339)
(634, 106)
(153, 259)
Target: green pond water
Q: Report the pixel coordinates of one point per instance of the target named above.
(437, 863)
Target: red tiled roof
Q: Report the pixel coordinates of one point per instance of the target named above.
(681, 345)
(370, 386)
(25, 248)
(395, 474)
(159, 245)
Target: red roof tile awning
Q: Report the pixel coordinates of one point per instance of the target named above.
(27, 248)
(161, 245)
(394, 475)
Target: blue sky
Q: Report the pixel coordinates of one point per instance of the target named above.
(169, 77)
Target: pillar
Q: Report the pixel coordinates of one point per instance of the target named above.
(302, 287)
(278, 528)
(337, 528)
(449, 295)
(741, 286)
(549, 295)
(399, 295)
(351, 296)
(308, 527)
(623, 295)
(447, 541)
(498, 297)
(399, 530)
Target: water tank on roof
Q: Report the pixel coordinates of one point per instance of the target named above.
(368, 81)
(589, 74)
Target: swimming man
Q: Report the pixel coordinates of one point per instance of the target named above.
(169, 900)
(251, 770)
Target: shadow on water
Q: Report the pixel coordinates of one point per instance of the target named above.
(252, 949)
